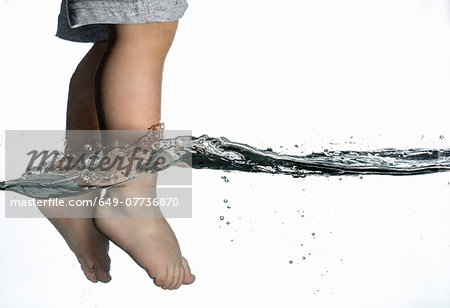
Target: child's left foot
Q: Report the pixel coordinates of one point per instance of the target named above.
(150, 241)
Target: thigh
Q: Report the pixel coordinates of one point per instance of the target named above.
(152, 33)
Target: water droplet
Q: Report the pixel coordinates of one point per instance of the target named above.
(221, 217)
(228, 207)
(313, 234)
(290, 261)
(228, 222)
(226, 180)
(303, 257)
(225, 201)
(361, 177)
(303, 215)
(441, 137)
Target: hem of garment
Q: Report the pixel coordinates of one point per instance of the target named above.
(86, 34)
(78, 40)
(91, 12)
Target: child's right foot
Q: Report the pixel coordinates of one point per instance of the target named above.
(88, 244)
(149, 241)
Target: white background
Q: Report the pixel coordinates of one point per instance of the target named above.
(267, 73)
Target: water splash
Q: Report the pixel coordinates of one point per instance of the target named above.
(206, 152)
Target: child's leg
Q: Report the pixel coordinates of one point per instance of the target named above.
(88, 244)
(128, 92)
(81, 110)
(129, 82)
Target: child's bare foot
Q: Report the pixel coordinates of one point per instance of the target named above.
(88, 244)
(150, 241)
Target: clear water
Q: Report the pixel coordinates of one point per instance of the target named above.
(206, 152)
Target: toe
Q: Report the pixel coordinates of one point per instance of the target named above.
(102, 267)
(102, 273)
(88, 271)
(176, 277)
(181, 278)
(169, 278)
(188, 276)
(160, 278)
(90, 275)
